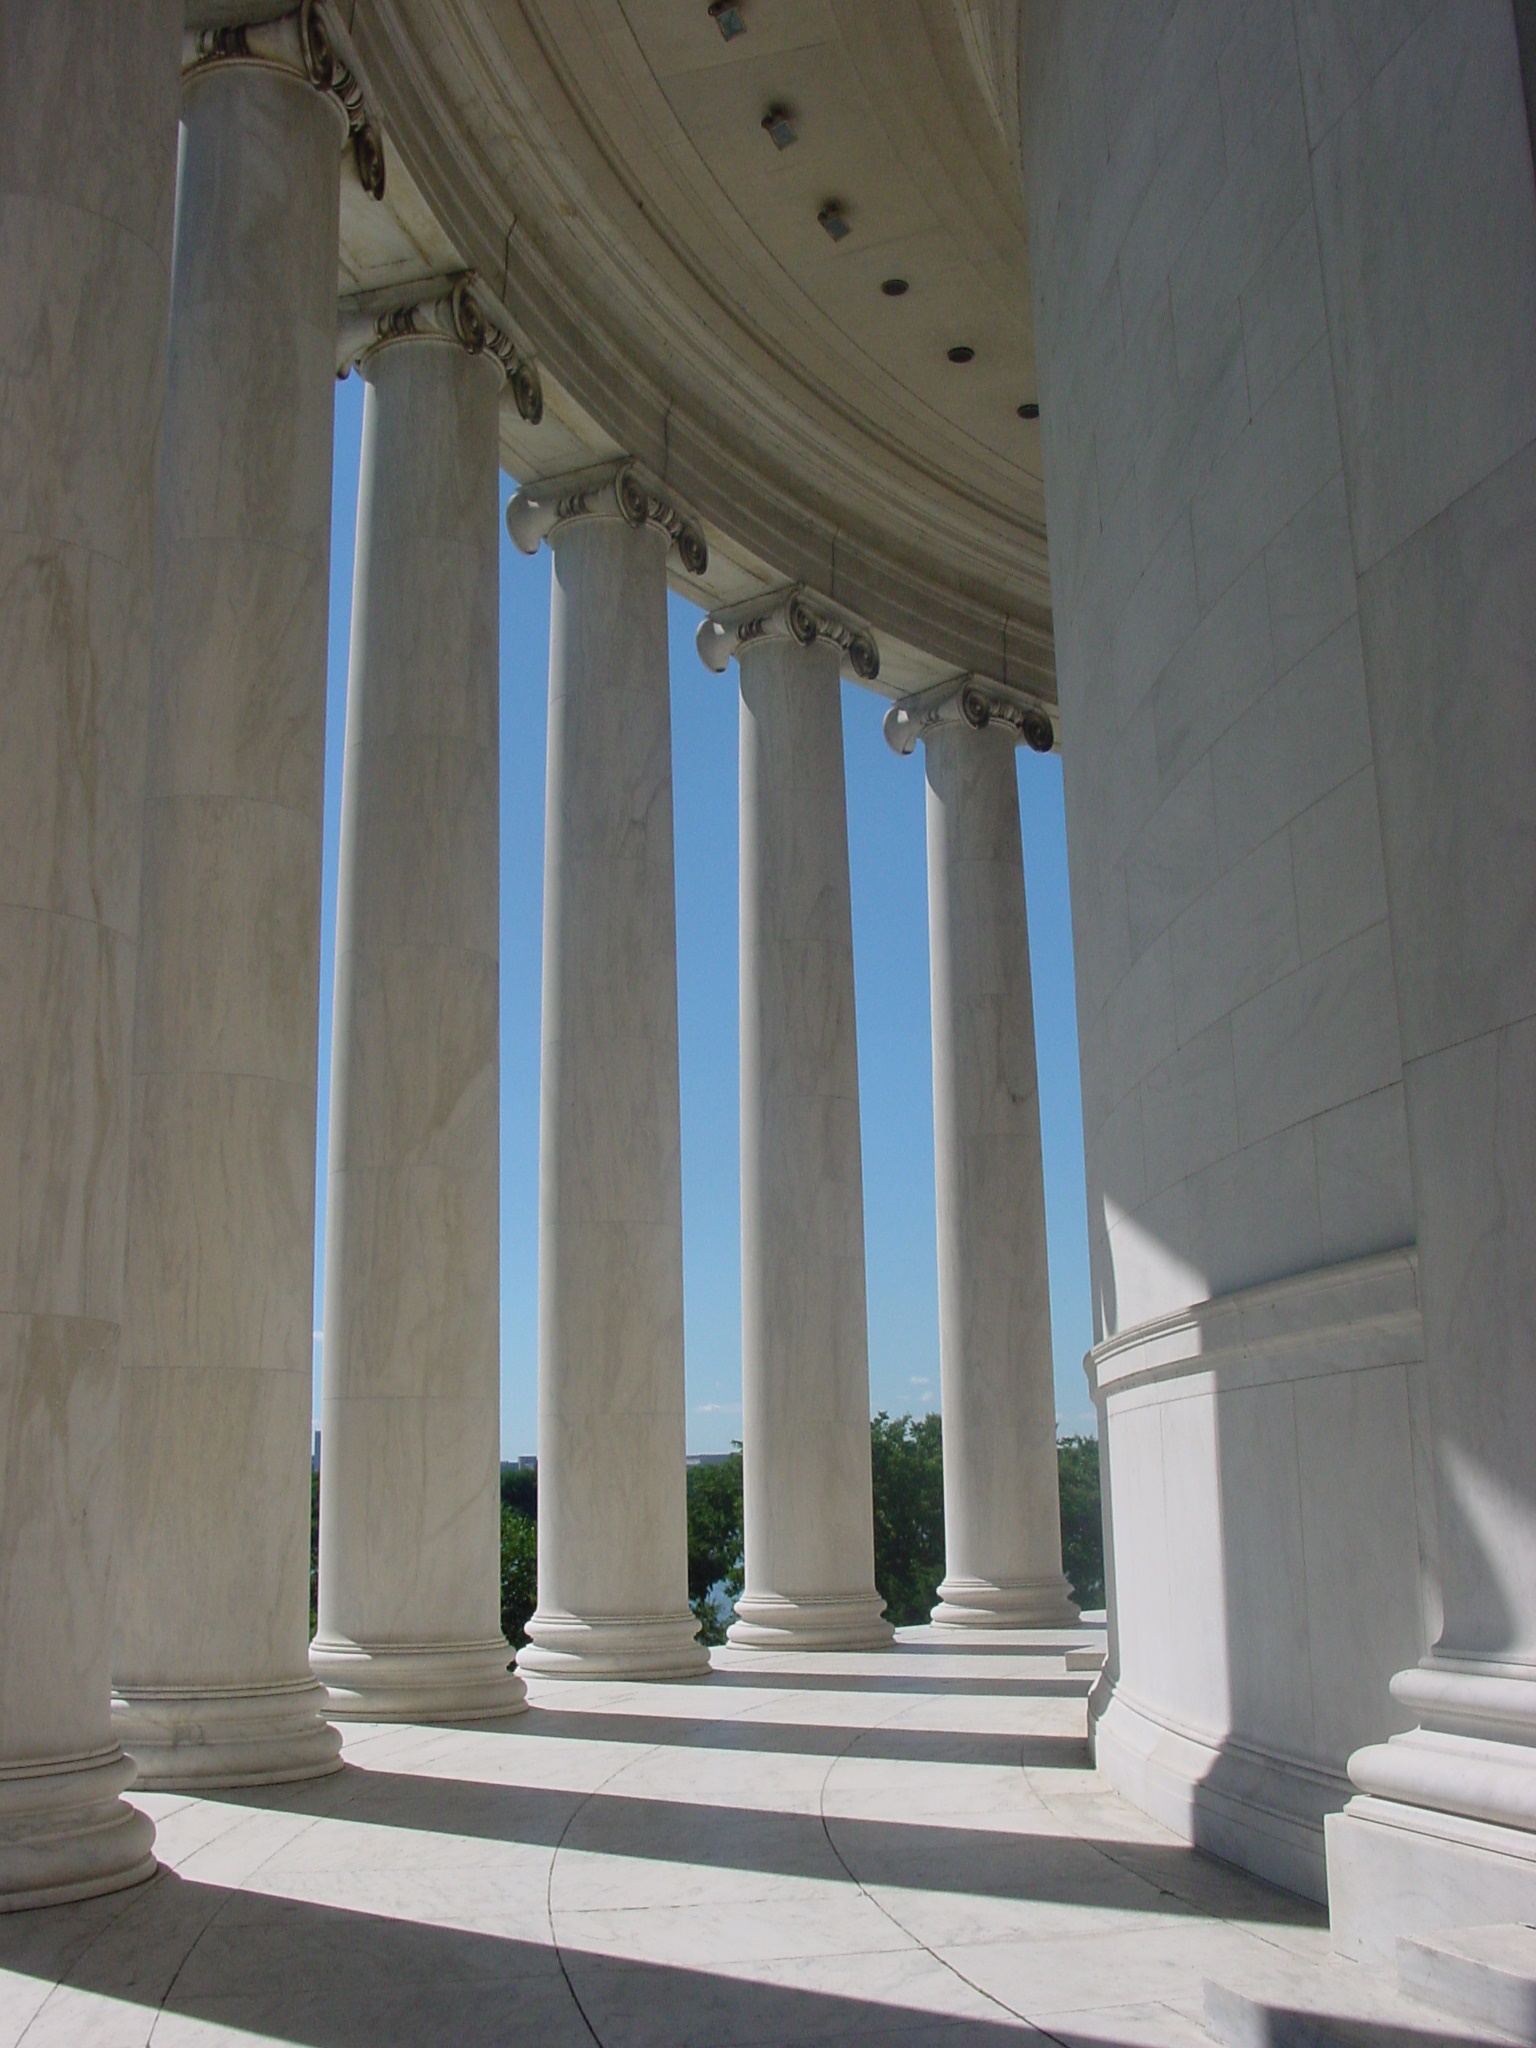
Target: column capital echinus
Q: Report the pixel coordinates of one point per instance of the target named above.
(310, 42)
(612, 490)
(457, 310)
(795, 614)
(974, 701)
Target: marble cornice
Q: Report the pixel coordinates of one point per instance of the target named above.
(1362, 1312)
(457, 310)
(798, 614)
(791, 486)
(611, 490)
(309, 42)
(973, 701)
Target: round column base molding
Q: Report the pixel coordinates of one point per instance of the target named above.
(418, 1681)
(647, 1646)
(1473, 1754)
(217, 1738)
(1005, 1603)
(834, 1621)
(66, 1833)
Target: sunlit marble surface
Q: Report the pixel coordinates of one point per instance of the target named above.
(905, 1845)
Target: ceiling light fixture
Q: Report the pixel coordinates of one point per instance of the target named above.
(961, 354)
(779, 127)
(834, 220)
(728, 18)
(895, 287)
(1029, 411)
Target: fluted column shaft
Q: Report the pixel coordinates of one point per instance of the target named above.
(211, 1660)
(1002, 1523)
(88, 97)
(613, 1559)
(410, 1479)
(810, 1561)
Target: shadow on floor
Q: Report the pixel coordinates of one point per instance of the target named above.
(1048, 1686)
(324, 1976)
(330, 1977)
(1014, 1865)
(793, 1738)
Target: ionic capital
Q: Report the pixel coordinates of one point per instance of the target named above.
(455, 310)
(310, 43)
(794, 614)
(614, 490)
(970, 701)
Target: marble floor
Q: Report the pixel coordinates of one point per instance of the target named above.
(903, 1847)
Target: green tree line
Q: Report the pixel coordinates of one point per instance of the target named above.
(907, 1465)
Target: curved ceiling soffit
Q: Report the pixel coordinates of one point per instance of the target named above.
(655, 351)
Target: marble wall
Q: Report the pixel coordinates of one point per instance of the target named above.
(1242, 1062)
(1426, 211)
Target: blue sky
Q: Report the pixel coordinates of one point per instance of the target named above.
(890, 935)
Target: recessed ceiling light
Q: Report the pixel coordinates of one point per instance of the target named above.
(834, 220)
(962, 354)
(728, 18)
(1029, 411)
(779, 127)
(894, 287)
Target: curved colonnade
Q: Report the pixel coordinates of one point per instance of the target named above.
(1288, 454)
(194, 1160)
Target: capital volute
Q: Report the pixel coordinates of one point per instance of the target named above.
(797, 614)
(613, 490)
(973, 702)
(455, 310)
(309, 42)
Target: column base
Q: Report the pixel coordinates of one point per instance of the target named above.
(1005, 1603)
(1253, 1807)
(65, 1833)
(1397, 1871)
(417, 1682)
(839, 1621)
(646, 1646)
(218, 1738)
(1443, 1834)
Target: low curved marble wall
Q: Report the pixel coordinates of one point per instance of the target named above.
(1270, 1507)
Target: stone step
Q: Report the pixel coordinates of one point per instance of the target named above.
(1482, 1973)
(1337, 2005)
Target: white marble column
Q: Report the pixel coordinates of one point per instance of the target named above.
(210, 1666)
(88, 97)
(1002, 1512)
(613, 1544)
(410, 1495)
(810, 1558)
